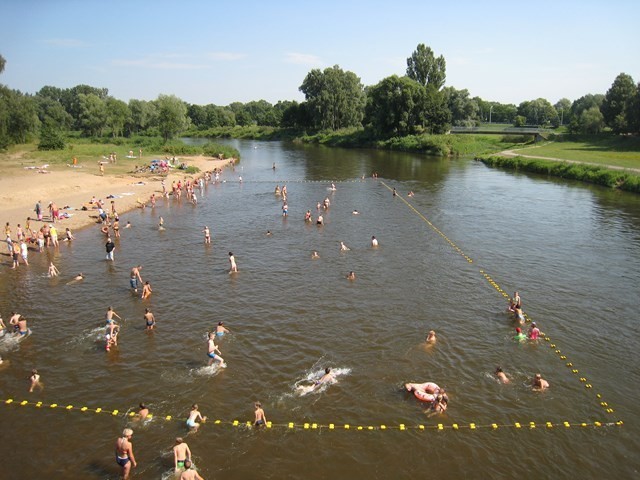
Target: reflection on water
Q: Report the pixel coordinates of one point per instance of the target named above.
(571, 251)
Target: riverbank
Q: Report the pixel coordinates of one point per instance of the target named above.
(70, 188)
(610, 176)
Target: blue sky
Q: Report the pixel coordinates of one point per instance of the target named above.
(220, 52)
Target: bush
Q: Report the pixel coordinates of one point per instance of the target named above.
(51, 139)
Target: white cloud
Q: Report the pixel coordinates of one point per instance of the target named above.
(230, 56)
(303, 59)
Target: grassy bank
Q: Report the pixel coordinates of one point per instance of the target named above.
(598, 175)
(615, 150)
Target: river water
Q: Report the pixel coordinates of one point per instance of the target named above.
(573, 252)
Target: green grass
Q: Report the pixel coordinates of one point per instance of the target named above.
(598, 175)
(614, 150)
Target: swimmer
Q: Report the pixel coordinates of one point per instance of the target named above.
(221, 329)
(315, 255)
(355, 212)
(307, 216)
(395, 194)
(285, 209)
(53, 271)
(149, 318)
(143, 412)
(195, 415)
(19, 324)
(519, 315)
(181, 453)
(501, 375)
(268, 234)
(534, 332)
(3, 327)
(410, 194)
(160, 223)
(69, 235)
(374, 241)
(519, 336)
(343, 247)
(539, 383)
(333, 186)
(212, 348)
(207, 235)
(128, 225)
(326, 378)
(232, 263)
(35, 381)
(277, 190)
(320, 220)
(351, 275)
(439, 405)
(188, 473)
(260, 418)
(517, 301)
(110, 314)
(431, 337)
(77, 278)
(111, 337)
(124, 452)
(146, 290)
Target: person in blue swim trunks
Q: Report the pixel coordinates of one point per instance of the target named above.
(221, 329)
(212, 348)
(194, 416)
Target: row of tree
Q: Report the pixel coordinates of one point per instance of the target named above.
(334, 99)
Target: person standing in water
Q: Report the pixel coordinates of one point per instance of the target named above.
(260, 418)
(207, 235)
(146, 290)
(110, 314)
(181, 453)
(35, 381)
(194, 416)
(124, 452)
(374, 241)
(150, 319)
(232, 263)
(110, 247)
(189, 473)
(134, 278)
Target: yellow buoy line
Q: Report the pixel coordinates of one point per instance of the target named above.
(605, 405)
(320, 426)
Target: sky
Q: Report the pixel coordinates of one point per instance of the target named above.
(219, 52)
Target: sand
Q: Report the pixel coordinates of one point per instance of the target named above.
(74, 187)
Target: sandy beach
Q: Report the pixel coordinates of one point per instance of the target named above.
(74, 187)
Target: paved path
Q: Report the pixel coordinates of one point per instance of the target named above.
(513, 153)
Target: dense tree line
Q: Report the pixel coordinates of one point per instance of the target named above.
(418, 102)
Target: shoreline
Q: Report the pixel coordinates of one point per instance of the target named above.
(73, 188)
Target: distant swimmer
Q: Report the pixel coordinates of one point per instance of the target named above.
(274, 166)
(277, 190)
(431, 337)
(19, 324)
(189, 473)
(53, 270)
(410, 194)
(128, 225)
(343, 247)
(221, 329)
(268, 234)
(194, 417)
(181, 453)
(285, 209)
(212, 348)
(260, 418)
(315, 255)
(232, 263)
(327, 203)
(395, 194)
(111, 336)
(150, 319)
(307, 216)
(519, 336)
(135, 279)
(326, 378)
(534, 331)
(34, 380)
(439, 405)
(333, 186)
(143, 412)
(146, 290)
(501, 375)
(207, 234)
(110, 314)
(539, 383)
(124, 452)
(160, 223)
(355, 212)
(320, 220)
(351, 275)
(109, 247)
(374, 241)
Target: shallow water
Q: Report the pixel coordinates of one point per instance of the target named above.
(571, 250)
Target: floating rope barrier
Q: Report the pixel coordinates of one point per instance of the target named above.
(605, 405)
(319, 426)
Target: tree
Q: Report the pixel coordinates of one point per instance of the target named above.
(2, 63)
(143, 114)
(591, 121)
(563, 109)
(172, 116)
(538, 112)
(117, 115)
(633, 112)
(335, 98)
(464, 110)
(616, 102)
(425, 68)
(92, 114)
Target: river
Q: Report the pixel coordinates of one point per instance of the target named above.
(445, 256)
